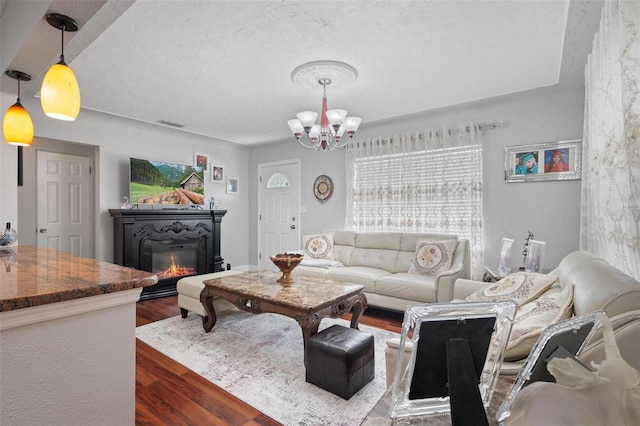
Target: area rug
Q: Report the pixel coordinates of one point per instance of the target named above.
(259, 359)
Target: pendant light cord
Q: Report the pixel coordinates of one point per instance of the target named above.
(62, 50)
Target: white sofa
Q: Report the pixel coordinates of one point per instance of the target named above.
(381, 260)
(596, 286)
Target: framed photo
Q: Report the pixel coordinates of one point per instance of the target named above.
(565, 339)
(535, 256)
(431, 383)
(200, 160)
(217, 173)
(232, 185)
(546, 161)
(504, 267)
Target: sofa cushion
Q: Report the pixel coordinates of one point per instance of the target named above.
(531, 318)
(318, 246)
(406, 286)
(432, 257)
(521, 287)
(375, 258)
(357, 275)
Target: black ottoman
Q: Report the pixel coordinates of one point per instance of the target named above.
(340, 360)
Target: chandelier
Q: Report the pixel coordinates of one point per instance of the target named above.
(334, 124)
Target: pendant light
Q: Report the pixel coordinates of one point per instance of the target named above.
(17, 125)
(60, 94)
(334, 125)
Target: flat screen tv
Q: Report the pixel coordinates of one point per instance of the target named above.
(157, 182)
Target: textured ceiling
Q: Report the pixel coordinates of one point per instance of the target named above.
(223, 68)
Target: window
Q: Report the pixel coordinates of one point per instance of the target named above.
(424, 183)
(278, 180)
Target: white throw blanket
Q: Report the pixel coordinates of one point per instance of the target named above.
(321, 263)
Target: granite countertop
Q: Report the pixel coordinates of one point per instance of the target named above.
(34, 275)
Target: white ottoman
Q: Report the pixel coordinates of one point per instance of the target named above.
(189, 289)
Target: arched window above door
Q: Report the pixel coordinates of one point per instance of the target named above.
(278, 180)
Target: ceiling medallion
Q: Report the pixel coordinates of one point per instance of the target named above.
(307, 75)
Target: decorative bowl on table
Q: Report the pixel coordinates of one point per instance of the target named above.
(286, 262)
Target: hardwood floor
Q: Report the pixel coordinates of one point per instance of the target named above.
(167, 393)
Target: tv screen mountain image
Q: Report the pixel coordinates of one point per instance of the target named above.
(157, 182)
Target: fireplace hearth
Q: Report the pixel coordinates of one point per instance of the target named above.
(169, 243)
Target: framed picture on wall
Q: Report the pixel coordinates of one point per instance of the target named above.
(232, 185)
(542, 162)
(200, 160)
(217, 173)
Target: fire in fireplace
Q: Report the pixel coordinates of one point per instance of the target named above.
(174, 260)
(175, 270)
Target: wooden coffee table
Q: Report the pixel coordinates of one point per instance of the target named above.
(307, 300)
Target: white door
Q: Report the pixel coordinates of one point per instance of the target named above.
(64, 203)
(278, 211)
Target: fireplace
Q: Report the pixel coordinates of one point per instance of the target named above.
(169, 243)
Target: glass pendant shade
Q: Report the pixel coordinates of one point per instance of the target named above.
(307, 118)
(17, 126)
(60, 93)
(336, 116)
(351, 124)
(296, 128)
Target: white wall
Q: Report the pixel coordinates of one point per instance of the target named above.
(117, 140)
(551, 210)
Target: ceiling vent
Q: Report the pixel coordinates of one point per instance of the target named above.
(168, 123)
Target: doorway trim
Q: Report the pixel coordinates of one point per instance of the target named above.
(27, 194)
(297, 163)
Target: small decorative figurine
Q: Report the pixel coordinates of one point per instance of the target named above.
(126, 205)
(525, 247)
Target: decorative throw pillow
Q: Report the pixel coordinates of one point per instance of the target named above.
(521, 287)
(533, 317)
(432, 257)
(318, 246)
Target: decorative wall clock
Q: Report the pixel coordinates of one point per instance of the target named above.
(323, 188)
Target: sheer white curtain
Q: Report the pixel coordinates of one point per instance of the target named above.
(610, 210)
(423, 182)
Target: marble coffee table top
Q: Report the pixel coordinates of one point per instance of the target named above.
(305, 292)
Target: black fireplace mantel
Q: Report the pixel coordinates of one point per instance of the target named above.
(135, 226)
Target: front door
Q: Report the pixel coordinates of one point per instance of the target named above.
(64, 203)
(279, 210)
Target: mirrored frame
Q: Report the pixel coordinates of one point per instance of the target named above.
(515, 161)
(405, 408)
(574, 334)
